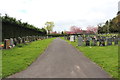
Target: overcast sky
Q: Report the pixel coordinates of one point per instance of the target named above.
(64, 13)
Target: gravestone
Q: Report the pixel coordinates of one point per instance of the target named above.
(15, 41)
(101, 42)
(19, 40)
(23, 39)
(109, 41)
(88, 39)
(94, 42)
(6, 43)
(68, 38)
(34, 38)
(116, 41)
(27, 38)
(11, 42)
(80, 41)
(71, 38)
(87, 43)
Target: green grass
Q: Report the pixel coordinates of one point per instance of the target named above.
(106, 57)
(20, 57)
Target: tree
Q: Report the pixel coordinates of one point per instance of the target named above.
(49, 26)
(92, 29)
(75, 29)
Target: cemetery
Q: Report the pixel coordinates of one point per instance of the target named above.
(74, 51)
(23, 49)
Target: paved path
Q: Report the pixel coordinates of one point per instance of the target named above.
(61, 60)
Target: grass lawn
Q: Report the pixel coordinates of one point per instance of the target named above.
(20, 57)
(106, 57)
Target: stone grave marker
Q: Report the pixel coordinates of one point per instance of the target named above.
(94, 42)
(68, 38)
(116, 41)
(88, 39)
(19, 40)
(80, 41)
(101, 42)
(23, 39)
(109, 41)
(6, 43)
(87, 43)
(71, 38)
(15, 41)
(11, 42)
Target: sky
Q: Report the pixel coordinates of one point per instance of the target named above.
(64, 13)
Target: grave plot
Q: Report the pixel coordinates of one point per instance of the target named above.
(10, 43)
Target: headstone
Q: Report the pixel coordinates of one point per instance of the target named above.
(71, 38)
(23, 39)
(68, 38)
(74, 38)
(94, 42)
(116, 41)
(88, 39)
(19, 40)
(11, 42)
(87, 43)
(15, 41)
(109, 41)
(6, 43)
(80, 41)
(101, 42)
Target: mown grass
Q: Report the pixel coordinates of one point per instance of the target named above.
(106, 57)
(20, 57)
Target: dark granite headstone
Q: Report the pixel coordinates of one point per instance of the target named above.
(87, 43)
(101, 42)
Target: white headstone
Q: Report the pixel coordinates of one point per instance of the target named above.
(11, 42)
(71, 38)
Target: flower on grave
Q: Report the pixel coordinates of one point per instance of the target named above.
(2, 45)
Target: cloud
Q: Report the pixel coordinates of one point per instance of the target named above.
(64, 13)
